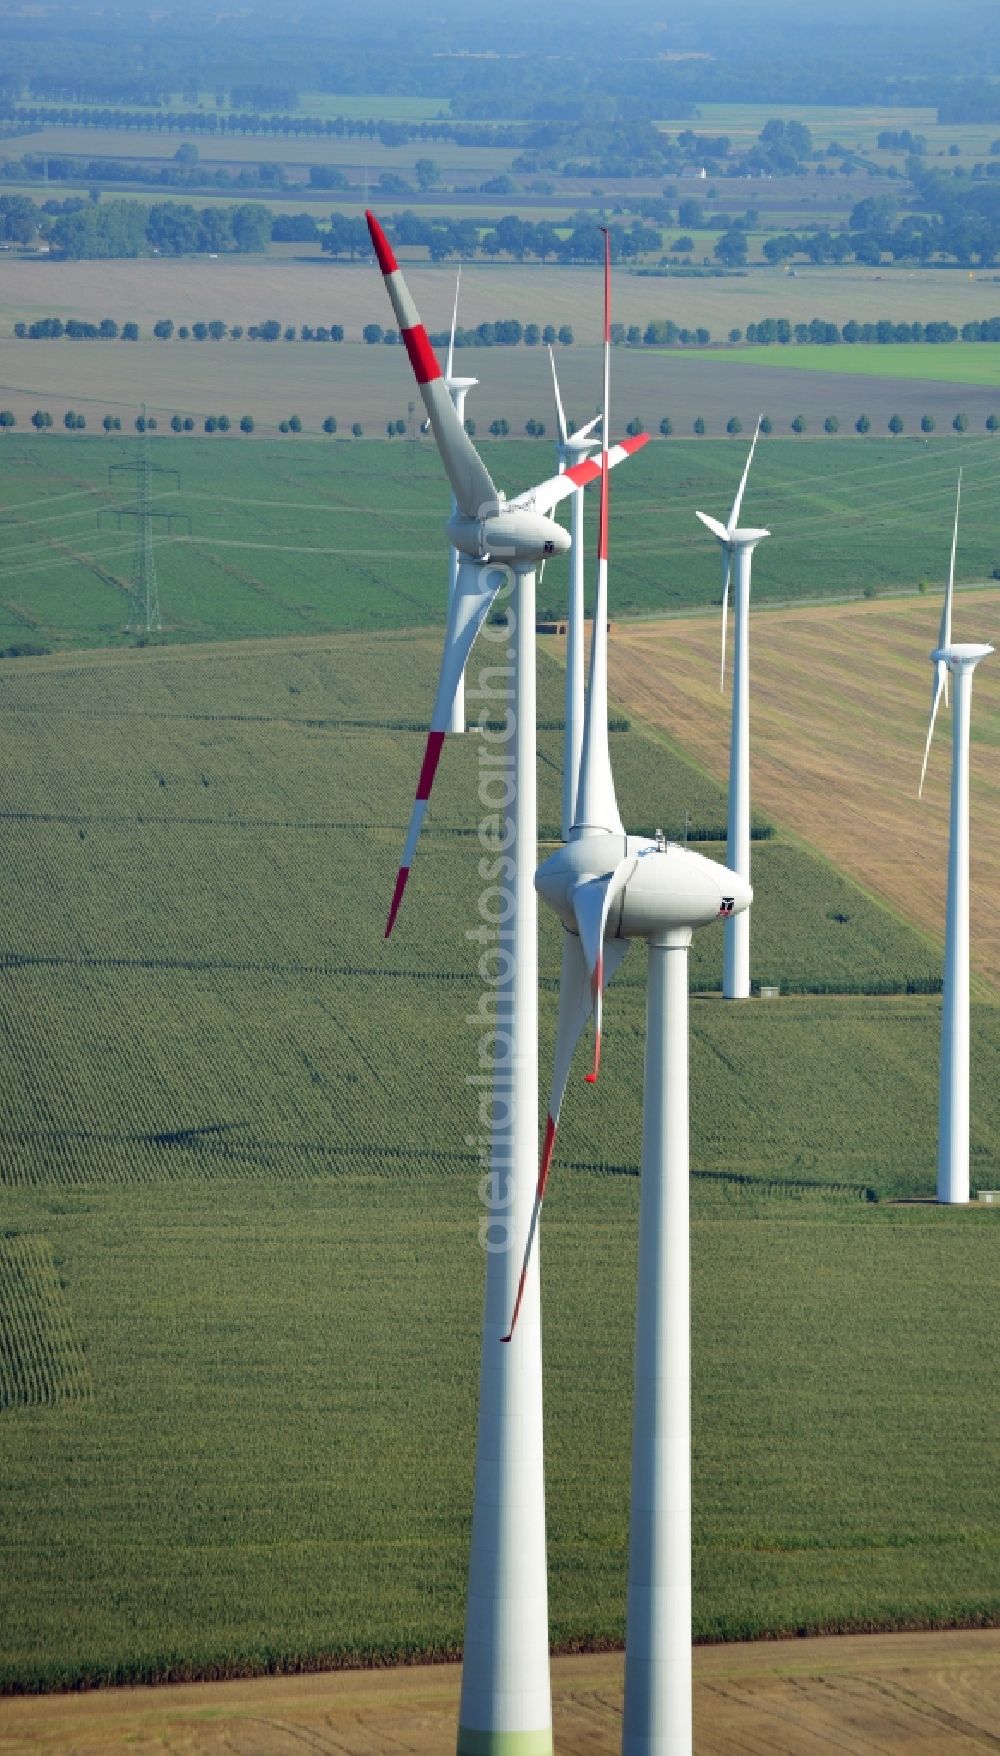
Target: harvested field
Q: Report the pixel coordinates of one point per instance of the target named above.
(372, 384)
(243, 289)
(839, 713)
(875, 1695)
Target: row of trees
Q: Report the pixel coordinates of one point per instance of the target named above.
(74, 422)
(895, 425)
(499, 428)
(510, 332)
(244, 120)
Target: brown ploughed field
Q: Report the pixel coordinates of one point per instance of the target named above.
(870, 1695)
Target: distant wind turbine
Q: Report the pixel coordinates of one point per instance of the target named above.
(738, 545)
(953, 1098)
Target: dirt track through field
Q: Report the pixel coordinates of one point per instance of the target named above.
(840, 696)
(870, 1695)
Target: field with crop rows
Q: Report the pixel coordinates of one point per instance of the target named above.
(297, 536)
(41, 1360)
(265, 1245)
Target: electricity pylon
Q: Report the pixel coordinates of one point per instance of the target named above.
(144, 607)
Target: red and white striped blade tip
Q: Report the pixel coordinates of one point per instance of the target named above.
(397, 896)
(381, 245)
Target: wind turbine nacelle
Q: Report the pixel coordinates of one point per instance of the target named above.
(668, 885)
(521, 538)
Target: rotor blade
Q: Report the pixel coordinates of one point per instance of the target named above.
(560, 412)
(585, 431)
(474, 489)
(727, 568)
(712, 524)
(450, 367)
(575, 1006)
(474, 593)
(944, 633)
(935, 704)
(593, 900)
(734, 516)
(597, 803)
(549, 493)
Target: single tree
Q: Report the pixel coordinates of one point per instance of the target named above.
(961, 423)
(992, 423)
(246, 423)
(176, 424)
(40, 420)
(927, 423)
(799, 425)
(895, 424)
(831, 424)
(189, 423)
(224, 423)
(7, 419)
(211, 424)
(635, 426)
(862, 424)
(698, 426)
(766, 424)
(734, 425)
(294, 424)
(666, 426)
(357, 431)
(330, 424)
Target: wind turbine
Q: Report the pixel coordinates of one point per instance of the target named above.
(505, 1702)
(609, 888)
(738, 545)
(953, 1100)
(573, 447)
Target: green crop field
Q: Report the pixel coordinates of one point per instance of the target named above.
(239, 1278)
(300, 537)
(952, 363)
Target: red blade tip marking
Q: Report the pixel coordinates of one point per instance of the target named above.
(591, 1078)
(397, 897)
(381, 245)
(517, 1304)
(428, 768)
(422, 357)
(547, 1148)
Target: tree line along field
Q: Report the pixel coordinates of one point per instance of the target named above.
(302, 536)
(247, 290)
(220, 1193)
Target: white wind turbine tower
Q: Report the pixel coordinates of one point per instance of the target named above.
(608, 888)
(953, 1102)
(505, 1703)
(738, 546)
(573, 448)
